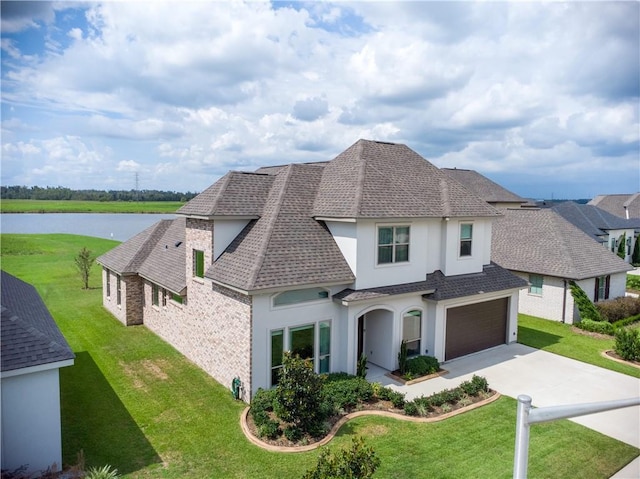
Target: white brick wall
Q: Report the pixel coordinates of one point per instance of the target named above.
(549, 304)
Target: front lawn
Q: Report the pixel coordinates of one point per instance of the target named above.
(560, 338)
(134, 402)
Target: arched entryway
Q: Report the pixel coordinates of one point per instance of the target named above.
(375, 337)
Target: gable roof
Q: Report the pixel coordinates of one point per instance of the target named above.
(157, 254)
(482, 186)
(285, 246)
(541, 241)
(373, 179)
(593, 220)
(619, 205)
(29, 335)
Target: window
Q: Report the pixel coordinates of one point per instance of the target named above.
(602, 288)
(535, 284)
(466, 235)
(300, 296)
(177, 298)
(198, 263)
(324, 348)
(393, 244)
(164, 297)
(155, 295)
(412, 331)
(118, 291)
(301, 340)
(277, 348)
(108, 284)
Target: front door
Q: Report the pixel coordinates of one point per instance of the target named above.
(360, 336)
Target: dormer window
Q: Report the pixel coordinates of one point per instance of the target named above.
(466, 236)
(393, 244)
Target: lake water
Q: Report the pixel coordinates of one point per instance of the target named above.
(117, 226)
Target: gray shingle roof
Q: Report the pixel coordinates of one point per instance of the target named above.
(165, 265)
(619, 204)
(384, 180)
(286, 246)
(235, 194)
(438, 287)
(541, 241)
(29, 334)
(593, 220)
(127, 257)
(483, 187)
(157, 253)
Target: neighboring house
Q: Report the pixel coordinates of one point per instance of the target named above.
(624, 206)
(488, 190)
(33, 350)
(613, 232)
(548, 251)
(328, 260)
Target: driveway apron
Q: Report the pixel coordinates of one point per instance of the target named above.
(549, 379)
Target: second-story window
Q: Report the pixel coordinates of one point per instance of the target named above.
(466, 236)
(393, 244)
(198, 263)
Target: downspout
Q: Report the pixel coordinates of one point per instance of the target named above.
(564, 301)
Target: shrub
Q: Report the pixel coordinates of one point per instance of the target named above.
(293, 433)
(402, 358)
(298, 395)
(347, 393)
(627, 321)
(260, 404)
(627, 344)
(602, 327)
(340, 376)
(619, 308)
(104, 472)
(635, 257)
(422, 365)
(361, 371)
(397, 399)
(585, 306)
(622, 245)
(410, 408)
(481, 384)
(357, 462)
(633, 280)
(270, 429)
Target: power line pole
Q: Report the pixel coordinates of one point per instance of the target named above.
(137, 179)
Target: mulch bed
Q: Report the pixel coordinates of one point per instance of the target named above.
(374, 406)
(613, 355)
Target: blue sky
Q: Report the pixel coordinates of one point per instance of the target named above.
(541, 97)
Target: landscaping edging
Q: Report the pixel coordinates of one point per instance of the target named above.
(416, 380)
(605, 354)
(336, 427)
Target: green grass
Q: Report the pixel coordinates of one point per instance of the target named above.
(560, 338)
(133, 402)
(72, 206)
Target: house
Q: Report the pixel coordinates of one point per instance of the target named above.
(490, 191)
(33, 351)
(613, 232)
(544, 248)
(624, 206)
(328, 260)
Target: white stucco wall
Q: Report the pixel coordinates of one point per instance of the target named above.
(453, 263)
(31, 421)
(615, 235)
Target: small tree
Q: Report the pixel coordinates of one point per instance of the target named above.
(298, 395)
(358, 462)
(402, 358)
(635, 258)
(84, 262)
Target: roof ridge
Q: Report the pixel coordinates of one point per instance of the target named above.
(272, 220)
(362, 171)
(631, 199)
(444, 190)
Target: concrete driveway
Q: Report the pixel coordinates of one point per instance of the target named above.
(549, 379)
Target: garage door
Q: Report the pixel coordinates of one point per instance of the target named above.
(475, 327)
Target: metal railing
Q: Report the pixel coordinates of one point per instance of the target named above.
(527, 416)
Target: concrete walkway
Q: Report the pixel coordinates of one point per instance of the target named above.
(550, 380)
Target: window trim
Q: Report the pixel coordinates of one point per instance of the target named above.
(393, 244)
(419, 338)
(465, 240)
(198, 263)
(118, 290)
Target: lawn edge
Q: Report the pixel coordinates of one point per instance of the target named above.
(334, 430)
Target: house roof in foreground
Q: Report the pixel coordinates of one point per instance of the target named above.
(373, 179)
(438, 287)
(157, 253)
(593, 220)
(29, 335)
(619, 204)
(541, 241)
(482, 186)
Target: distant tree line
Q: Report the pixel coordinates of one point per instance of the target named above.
(61, 193)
